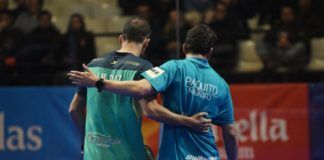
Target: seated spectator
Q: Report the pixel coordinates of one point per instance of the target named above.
(3, 6)
(199, 5)
(20, 7)
(161, 10)
(170, 34)
(284, 45)
(155, 48)
(42, 44)
(78, 43)
(310, 19)
(27, 21)
(229, 31)
(129, 6)
(269, 10)
(10, 38)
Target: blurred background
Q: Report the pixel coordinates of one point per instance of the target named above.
(259, 41)
(271, 52)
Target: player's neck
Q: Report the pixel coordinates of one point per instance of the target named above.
(134, 48)
(190, 55)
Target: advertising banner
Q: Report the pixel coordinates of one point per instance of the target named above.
(272, 121)
(275, 121)
(35, 124)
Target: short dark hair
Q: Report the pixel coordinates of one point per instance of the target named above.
(45, 13)
(200, 39)
(136, 30)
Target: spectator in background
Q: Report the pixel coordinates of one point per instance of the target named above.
(40, 51)
(3, 6)
(284, 45)
(169, 33)
(45, 40)
(10, 39)
(40, 54)
(129, 6)
(161, 10)
(199, 5)
(229, 31)
(155, 49)
(78, 43)
(20, 8)
(145, 11)
(270, 10)
(27, 21)
(310, 19)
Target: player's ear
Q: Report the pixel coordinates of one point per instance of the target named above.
(184, 48)
(146, 42)
(210, 52)
(120, 39)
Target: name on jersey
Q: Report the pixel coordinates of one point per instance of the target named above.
(200, 89)
(112, 77)
(154, 72)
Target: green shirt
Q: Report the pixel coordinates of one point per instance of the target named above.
(113, 122)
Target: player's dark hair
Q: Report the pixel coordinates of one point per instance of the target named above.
(200, 39)
(136, 30)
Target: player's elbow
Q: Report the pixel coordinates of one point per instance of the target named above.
(142, 92)
(72, 109)
(230, 131)
(150, 111)
(141, 89)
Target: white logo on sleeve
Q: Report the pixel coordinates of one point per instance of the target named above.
(154, 72)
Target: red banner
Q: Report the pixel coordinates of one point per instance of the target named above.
(272, 122)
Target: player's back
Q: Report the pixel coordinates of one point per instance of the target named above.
(195, 87)
(113, 122)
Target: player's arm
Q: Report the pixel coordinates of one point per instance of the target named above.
(138, 88)
(76, 111)
(229, 136)
(153, 110)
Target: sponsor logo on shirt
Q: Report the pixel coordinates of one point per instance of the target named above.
(132, 63)
(191, 157)
(200, 89)
(102, 140)
(154, 72)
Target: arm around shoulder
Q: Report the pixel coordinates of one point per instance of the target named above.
(140, 88)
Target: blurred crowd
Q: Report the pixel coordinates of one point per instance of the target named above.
(288, 27)
(30, 44)
(32, 49)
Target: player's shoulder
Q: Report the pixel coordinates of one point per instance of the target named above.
(141, 61)
(100, 61)
(96, 62)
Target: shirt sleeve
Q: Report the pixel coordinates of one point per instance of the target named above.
(145, 67)
(226, 112)
(161, 77)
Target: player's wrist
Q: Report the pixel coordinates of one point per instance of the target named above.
(99, 84)
(186, 121)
